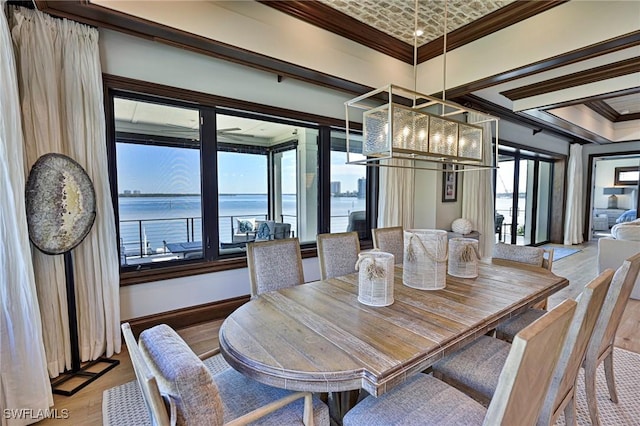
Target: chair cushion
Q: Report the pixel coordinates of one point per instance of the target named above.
(181, 376)
(477, 366)
(265, 230)
(422, 400)
(245, 225)
(508, 330)
(241, 395)
(522, 254)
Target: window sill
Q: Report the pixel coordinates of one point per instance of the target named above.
(202, 267)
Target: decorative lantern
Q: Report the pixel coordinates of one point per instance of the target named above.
(425, 259)
(463, 257)
(375, 278)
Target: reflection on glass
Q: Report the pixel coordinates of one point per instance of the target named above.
(158, 163)
(348, 186)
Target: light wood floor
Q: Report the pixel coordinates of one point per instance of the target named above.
(85, 407)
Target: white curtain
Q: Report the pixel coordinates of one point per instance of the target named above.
(574, 213)
(24, 382)
(477, 195)
(62, 107)
(396, 194)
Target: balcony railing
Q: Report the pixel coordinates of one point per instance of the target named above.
(142, 239)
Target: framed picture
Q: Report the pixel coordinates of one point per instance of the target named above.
(449, 184)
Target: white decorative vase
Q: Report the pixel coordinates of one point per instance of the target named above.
(463, 257)
(375, 278)
(425, 259)
(462, 226)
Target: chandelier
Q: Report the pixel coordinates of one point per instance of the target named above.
(404, 124)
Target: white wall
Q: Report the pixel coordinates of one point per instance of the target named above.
(145, 60)
(604, 177)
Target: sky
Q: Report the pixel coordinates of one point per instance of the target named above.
(156, 169)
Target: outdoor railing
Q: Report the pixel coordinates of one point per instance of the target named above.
(140, 238)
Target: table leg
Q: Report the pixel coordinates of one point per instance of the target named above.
(340, 403)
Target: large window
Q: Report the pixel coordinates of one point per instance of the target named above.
(196, 183)
(159, 195)
(348, 187)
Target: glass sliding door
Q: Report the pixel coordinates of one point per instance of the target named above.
(523, 198)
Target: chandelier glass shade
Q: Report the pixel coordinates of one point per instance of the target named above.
(400, 123)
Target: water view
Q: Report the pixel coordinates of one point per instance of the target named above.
(150, 221)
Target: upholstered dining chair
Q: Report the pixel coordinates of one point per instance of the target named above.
(274, 264)
(601, 344)
(528, 255)
(525, 378)
(475, 367)
(390, 240)
(338, 254)
(179, 389)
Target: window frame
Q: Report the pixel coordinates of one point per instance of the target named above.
(210, 105)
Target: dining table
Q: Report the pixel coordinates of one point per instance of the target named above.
(318, 337)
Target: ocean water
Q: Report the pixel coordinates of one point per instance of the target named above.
(153, 220)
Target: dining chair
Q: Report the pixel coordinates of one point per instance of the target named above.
(338, 254)
(179, 389)
(525, 378)
(274, 264)
(601, 344)
(390, 240)
(476, 367)
(528, 255)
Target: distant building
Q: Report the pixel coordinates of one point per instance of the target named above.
(127, 192)
(362, 187)
(335, 188)
(136, 192)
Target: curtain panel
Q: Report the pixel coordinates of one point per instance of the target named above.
(396, 197)
(477, 195)
(24, 382)
(574, 207)
(62, 108)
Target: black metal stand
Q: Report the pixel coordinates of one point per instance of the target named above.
(79, 376)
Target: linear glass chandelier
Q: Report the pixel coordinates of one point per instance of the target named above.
(401, 123)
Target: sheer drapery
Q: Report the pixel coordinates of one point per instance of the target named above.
(477, 195)
(396, 197)
(62, 107)
(574, 210)
(24, 382)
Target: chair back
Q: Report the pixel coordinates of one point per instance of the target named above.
(274, 265)
(565, 375)
(526, 374)
(146, 380)
(338, 254)
(621, 286)
(547, 261)
(390, 240)
(522, 254)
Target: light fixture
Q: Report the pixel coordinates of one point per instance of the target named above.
(405, 124)
(612, 201)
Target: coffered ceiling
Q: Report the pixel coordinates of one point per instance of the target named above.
(583, 84)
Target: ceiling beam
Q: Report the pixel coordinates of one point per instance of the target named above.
(592, 75)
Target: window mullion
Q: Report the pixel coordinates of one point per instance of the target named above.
(209, 173)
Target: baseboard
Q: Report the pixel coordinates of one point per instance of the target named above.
(186, 317)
